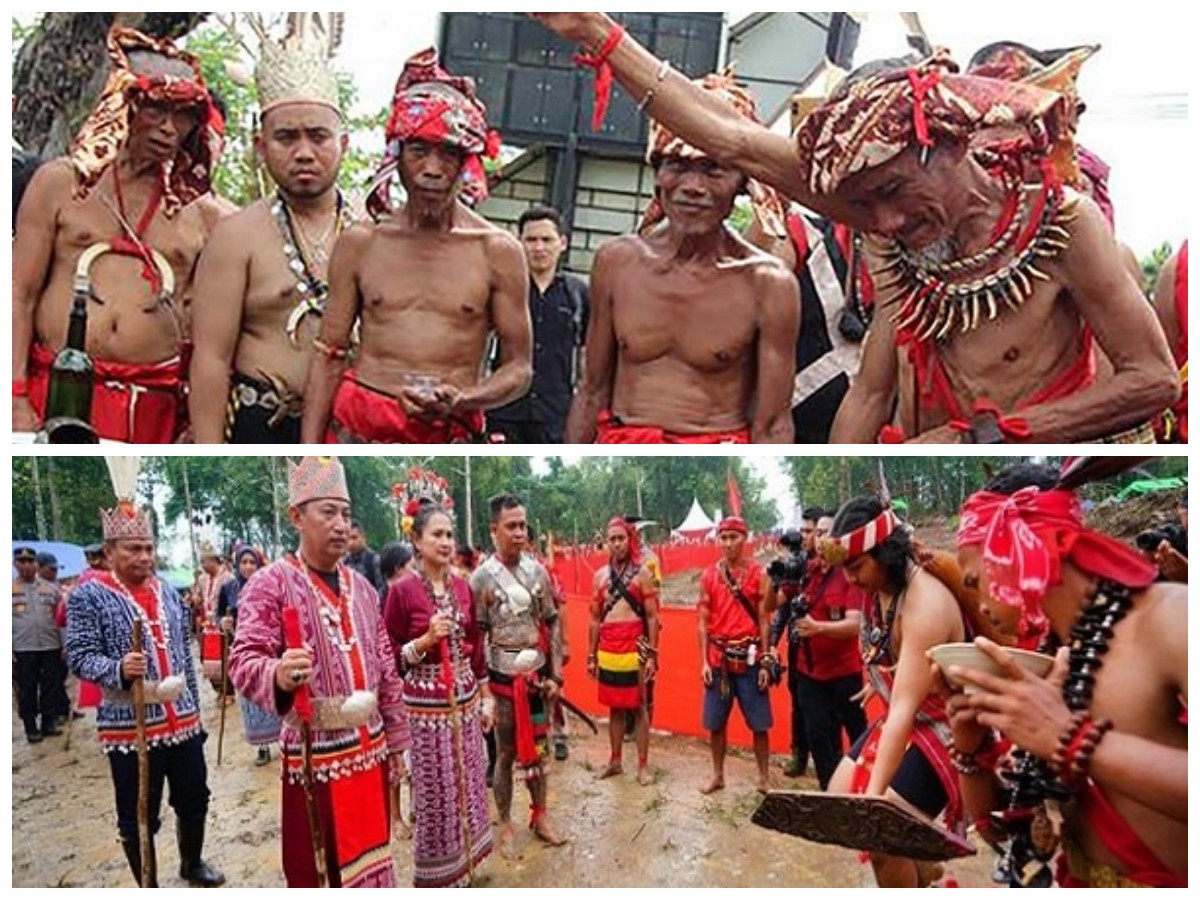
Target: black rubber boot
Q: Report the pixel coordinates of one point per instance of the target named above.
(133, 853)
(192, 868)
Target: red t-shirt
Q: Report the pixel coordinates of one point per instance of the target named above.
(727, 618)
(831, 597)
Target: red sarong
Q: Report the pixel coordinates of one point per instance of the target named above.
(1138, 862)
(132, 404)
(617, 662)
(613, 431)
(367, 415)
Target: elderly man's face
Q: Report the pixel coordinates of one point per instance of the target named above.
(904, 200)
(697, 195)
(430, 171)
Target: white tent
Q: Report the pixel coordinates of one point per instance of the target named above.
(697, 524)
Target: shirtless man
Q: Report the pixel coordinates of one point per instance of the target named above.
(874, 158)
(109, 195)
(1109, 721)
(658, 371)
(429, 281)
(623, 643)
(263, 279)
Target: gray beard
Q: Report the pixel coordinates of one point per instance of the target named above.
(940, 252)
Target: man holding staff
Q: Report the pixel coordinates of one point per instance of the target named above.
(102, 618)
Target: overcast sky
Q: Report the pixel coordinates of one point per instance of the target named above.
(1136, 87)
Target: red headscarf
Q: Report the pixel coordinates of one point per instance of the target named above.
(106, 132)
(432, 105)
(733, 523)
(1025, 537)
(631, 532)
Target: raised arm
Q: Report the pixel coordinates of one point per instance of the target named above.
(221, 280)
(600, 358)
(329, 358)
(700, 118)
(779, 330)
(33, 250)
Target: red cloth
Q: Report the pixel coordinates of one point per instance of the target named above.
(132, 404)
(611, 431)
(727, 618)
(365, 415)
(1137, 861)
(830, 594)
(1024, 538)
(736, 524)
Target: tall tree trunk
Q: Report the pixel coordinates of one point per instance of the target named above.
(187, 499)
(61, 68)
(278, 549)
(55, 507)
(39, 510)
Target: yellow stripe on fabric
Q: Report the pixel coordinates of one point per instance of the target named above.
(617, 662)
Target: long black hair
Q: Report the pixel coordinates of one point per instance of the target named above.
(894, 553)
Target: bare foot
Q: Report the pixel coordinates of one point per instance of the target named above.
(645, 779)
(507, 842)
(612, 769)
(764, 785)
(546, 834)
(717, 784)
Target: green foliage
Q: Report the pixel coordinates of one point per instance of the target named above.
(1153, 264)
(77, 485)
(21, 30)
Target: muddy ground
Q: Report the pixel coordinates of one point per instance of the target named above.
(623, 835)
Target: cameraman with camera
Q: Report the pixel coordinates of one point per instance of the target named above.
(788, 576)
(824, 613)
(1167, 546)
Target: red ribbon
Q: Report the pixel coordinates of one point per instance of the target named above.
(604, 74)
(294, 638)
(1013, 427)
(921, 85)
(527, 754)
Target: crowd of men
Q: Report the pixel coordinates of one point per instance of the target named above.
(963, 284)
(352, 677)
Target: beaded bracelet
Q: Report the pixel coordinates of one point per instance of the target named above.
(412, 655)
(663, 71)
(330, 351)
(979, 759)
(1076, 747)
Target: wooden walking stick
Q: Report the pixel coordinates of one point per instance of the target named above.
(303, 706)
(224, 691)
(143, 764)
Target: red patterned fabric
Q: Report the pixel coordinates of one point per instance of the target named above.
(1026, 535)
(876, 119)
(432, 105)
(131, 404)
(106, 132)
(365, 415)
(611, 431)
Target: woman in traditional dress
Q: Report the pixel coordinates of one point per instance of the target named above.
(903, 752)
(261, 727)
(430, 616)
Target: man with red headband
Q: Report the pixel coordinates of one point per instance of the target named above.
(623, 642)
(1107, 728)
(428, 282)
(657, 370)
(1003, 296)
(118, 219)
(736, 657)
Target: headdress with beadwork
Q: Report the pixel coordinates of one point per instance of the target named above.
(317, 478)
(419, 487)
(125, 522)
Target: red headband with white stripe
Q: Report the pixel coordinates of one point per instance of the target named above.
(838, 551)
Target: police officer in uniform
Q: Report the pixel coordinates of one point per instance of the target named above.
(37, 647)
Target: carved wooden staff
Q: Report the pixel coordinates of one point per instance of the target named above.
(143, 761)
(224, 690)
(304, 711)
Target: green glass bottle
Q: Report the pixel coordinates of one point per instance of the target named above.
(72, 374)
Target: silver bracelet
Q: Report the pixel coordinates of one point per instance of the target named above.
(412, 655)
(663, 71)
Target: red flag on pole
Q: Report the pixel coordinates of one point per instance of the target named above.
(734, 504)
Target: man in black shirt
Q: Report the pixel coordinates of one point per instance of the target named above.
(362, 559)
(558, 307)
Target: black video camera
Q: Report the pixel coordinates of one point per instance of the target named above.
(789, 572)
(1175, 535)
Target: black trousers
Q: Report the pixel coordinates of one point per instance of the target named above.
(39, 681)
(800, 746)
(181, 766)
(549, 432)
(828, 709)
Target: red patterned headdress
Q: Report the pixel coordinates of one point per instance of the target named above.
(871, 121)
(317, 478)
(837, 551)
(1025, 537)
(125, 522)
(106, 132)
(768, 208)
(432, 105)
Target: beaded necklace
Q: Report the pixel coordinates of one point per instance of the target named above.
(155, 627)
(877, 635)
(1029, 781)
(311, 287)
(334, 615)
